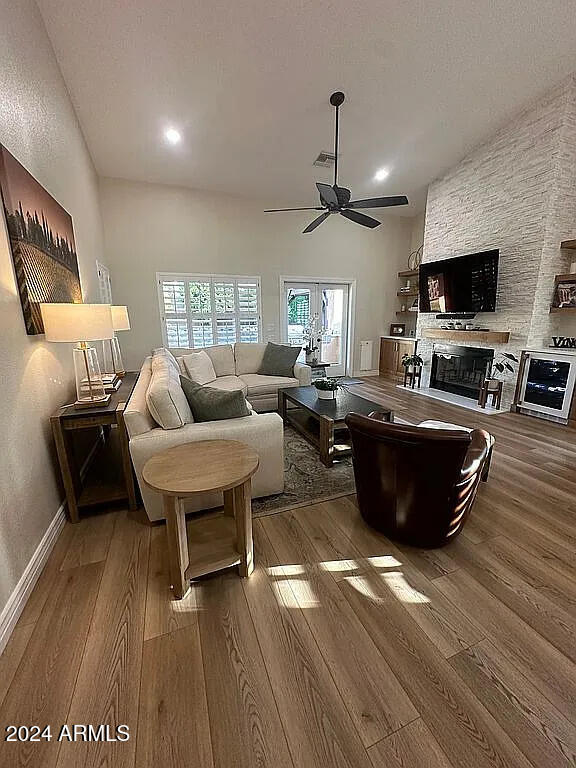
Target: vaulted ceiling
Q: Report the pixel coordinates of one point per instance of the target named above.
(247, 83)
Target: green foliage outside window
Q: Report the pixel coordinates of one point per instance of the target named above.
(299, 309)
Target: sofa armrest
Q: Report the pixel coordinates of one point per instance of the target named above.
(262, 432)
(303, 373)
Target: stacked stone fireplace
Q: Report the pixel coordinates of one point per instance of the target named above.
(516, 193)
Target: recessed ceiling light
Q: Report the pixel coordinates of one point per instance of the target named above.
(172, 136)
(381, 174)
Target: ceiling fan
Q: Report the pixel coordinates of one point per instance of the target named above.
(335, 199)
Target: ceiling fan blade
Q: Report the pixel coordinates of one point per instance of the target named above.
(379, 202)
(316, 223)
(343, 195)
(327, 195)
(360, 218)
(278, 210)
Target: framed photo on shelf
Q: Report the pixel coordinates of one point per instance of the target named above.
(397, 329)
(565, 292)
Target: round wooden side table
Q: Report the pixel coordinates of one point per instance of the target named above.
(210, 465)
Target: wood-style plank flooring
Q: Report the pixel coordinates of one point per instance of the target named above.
(342, 650)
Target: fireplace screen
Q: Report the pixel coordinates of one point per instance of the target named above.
(459, 369)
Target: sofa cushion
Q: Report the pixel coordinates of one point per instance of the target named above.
(248, 357)
(199, 367)
(222, 356)
(165, 399)
(259, 384)
(228, 384)
(181, 366)
(279, 360)
(163, 353)
(210, 404)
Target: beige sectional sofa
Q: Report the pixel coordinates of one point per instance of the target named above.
(237, 367)
(158, 416)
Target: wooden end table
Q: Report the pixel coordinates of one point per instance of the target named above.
(108, 475)
(185, 470)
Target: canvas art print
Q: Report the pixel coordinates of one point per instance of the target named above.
(42, 242)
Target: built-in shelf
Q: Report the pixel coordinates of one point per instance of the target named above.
(568, 245)
(496, 337)
(409, 273)
(563, 310)
(411, 294)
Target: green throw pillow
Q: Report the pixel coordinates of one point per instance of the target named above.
(279, 360)
(210, 404)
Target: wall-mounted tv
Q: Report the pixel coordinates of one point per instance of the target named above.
(463, 284)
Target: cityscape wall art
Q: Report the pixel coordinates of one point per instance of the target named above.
(41, 240)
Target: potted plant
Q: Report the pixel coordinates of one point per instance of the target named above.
(310, 351)
(312, 335)
(502, 362)
(412, 361)
(326, 388)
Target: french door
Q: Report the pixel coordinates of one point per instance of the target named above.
(323, 306)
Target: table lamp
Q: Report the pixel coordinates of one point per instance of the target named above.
(81, 323)
(113, 365)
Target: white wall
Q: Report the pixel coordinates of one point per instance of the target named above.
(39, 127)
(151, 228)
(417, 232)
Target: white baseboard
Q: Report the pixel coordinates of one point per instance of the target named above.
(360, 374)
(25, 585)
(17, 600)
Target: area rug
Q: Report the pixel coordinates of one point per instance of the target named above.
(306, 479)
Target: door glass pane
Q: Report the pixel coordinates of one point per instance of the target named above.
(546, 383)
(298, 308)
(332, 316)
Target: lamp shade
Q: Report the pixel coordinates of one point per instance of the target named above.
(120, 319)
(77, 322)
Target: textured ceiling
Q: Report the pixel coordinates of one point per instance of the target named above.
(247, 83)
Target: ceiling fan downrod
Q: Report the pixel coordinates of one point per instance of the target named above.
(337, 99)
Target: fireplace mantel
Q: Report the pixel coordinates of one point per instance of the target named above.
(490, 337)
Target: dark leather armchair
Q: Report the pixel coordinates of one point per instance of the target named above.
(416, 484)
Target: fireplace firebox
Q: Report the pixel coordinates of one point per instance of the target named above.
(459, 370)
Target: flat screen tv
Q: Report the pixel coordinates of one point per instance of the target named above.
(463, 284)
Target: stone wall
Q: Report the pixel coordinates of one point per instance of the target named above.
(517, 193)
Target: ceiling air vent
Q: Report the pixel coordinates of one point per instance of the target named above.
(325, 159)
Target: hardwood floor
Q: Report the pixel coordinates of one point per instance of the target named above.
(342, 650)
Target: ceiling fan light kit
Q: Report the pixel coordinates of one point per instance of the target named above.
(336, 199)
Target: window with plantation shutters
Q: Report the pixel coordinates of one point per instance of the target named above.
(201, 310)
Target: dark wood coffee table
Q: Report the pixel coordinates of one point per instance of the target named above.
(321, 422)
